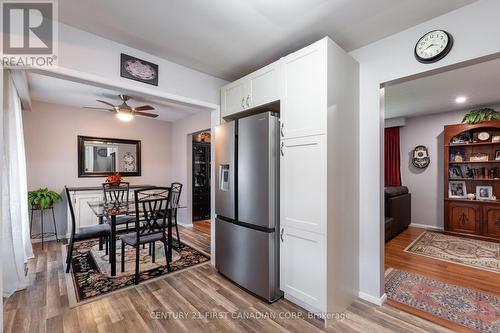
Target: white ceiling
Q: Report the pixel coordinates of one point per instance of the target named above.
(480, 83)
(59, 91)
(231, 38)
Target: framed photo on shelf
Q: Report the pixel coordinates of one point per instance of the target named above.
(455, 172)
(480, 157)
(495, 138)
(497, 155)
(457, 155)
(457, 190)
(484, 192)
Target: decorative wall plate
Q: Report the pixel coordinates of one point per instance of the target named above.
(483, 136)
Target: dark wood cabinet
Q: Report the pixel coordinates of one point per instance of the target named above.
(201, 180)
(471, 166)
(462, 217)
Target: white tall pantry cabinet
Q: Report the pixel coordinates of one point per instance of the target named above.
(319, 176)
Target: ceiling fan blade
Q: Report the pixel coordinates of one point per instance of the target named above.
(145, 114)
(107, 103)
(144, 108)
(95, 108)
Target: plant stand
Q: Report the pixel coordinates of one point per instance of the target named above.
(43, 234)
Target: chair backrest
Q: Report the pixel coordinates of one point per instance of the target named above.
(176, 192)
(116, 193)
(150, 207)
(71, 210)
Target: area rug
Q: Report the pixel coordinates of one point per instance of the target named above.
(459, 250)
(470, 308)
(90, 271)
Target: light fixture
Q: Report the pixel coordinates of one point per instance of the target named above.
(124, 116)
(460, 99)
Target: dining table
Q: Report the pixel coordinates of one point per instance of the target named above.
(108, 212)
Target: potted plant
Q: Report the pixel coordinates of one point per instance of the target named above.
(480, 115)
(43, 198)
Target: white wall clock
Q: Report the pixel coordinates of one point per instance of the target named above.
(433, 46)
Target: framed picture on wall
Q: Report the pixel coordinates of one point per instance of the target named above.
(138, 69)
(457, 190)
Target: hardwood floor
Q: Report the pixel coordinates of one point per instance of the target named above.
(448, 272)
(208, 302)
(202, 226)
(196, 238)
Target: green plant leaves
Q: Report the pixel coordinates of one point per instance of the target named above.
(43, 198)
(480, 115)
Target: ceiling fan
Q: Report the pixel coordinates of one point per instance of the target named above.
(124, 111)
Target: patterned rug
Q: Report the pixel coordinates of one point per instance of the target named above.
(91, 269)
(463, 306)
(459, 250)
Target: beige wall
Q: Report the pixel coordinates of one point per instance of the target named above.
(50, 134)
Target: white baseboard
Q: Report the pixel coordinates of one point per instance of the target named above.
(303, 305)
(425, 226)
(187, 225)
(372, 299)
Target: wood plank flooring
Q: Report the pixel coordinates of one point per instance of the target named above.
(448, 272)
(207, 301)
(196, 238)
(202, 226)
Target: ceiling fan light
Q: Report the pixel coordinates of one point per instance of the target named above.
(124, 116)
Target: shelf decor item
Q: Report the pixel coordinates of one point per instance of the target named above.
(457, 189)
(43, 198)
(480, 115)
(455, 172)
(483, 136)
(462, 138)
(484, 192)
(479, 157)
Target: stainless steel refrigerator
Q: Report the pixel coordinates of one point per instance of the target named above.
(247, 203)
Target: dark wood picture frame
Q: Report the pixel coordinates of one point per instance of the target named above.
(124, 73)
(81, 153)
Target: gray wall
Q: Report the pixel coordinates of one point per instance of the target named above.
(50, 134)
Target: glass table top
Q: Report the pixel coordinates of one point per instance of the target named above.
(104, 209)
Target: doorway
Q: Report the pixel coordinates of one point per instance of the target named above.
(201, 171)
(438, 229)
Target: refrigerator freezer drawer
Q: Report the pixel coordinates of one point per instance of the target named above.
(248, 257)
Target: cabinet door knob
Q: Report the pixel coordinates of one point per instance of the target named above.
(281, 149)
(243, 102)
(281, 129)
(248, 100)
(281, 234)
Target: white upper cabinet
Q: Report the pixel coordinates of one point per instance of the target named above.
(304, 102)
(256, 89)
(233, 97)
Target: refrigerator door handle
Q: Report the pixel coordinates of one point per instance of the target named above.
(281, 234)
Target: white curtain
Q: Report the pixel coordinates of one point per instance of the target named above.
(16, 243)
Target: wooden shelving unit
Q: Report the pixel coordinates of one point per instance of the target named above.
(475, 218)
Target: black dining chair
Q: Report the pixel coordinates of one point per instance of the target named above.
(150, 224)
(175, 197)
(83, 233)
(118, 194)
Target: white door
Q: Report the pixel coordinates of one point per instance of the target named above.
(83, 213)
(265, 85)
(304, 102)
(303, 267)
(234, 97)
(303, 183)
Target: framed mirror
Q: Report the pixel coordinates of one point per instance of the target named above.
(98, 157)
